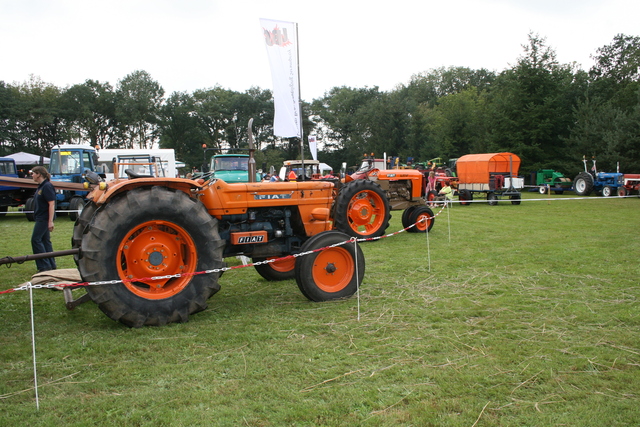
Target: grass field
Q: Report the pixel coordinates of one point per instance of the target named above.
(528, 316)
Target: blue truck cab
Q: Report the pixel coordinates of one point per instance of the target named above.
(68, 163)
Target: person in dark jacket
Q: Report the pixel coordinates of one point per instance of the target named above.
(44, 212)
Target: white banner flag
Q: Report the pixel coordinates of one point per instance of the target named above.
(313, 147)
(281, 40)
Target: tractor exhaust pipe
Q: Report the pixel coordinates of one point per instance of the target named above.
(252, 149)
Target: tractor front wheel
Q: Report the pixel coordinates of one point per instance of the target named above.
(332, 273)
(423, 219)
(276, 270)
(362, 209)
(147, 232)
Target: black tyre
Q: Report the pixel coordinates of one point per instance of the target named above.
(465, 197)
(152, 231)
(276, 271)
(406, 216)
(331, 273)
(607, 191)
(80, 227)
(515, 199)
(76, 204)
(492, 199)
(423, 217)
(362, 209)
(28, 208)
(583, 184)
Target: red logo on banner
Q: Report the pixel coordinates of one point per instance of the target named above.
(276, 37)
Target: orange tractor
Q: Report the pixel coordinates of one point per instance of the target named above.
(158, 235)
(405, 189)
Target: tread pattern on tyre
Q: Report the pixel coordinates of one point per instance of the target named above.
(111, 223)
(346, 194)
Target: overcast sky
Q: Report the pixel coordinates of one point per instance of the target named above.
(197, 44)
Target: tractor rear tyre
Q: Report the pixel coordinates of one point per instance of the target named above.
(583, 184)
(465, 197)
(277, 270)
(151, 231)
(362, 209)
(423, 219)
(76, 204)
(332, 273)
(80, 227)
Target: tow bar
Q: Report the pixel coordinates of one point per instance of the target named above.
(70, 303)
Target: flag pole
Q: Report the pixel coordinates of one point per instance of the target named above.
(300, 102)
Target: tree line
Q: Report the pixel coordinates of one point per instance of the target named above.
(549, 114)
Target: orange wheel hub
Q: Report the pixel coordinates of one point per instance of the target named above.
(423, 221)
(156, 248)
(333, 269)
(366, 212)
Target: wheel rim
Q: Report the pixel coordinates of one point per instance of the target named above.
(156, 248)
(283, 266)
(333, 269)
(423, 225)
(366, 212)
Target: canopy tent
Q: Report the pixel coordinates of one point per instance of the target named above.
(23, 158)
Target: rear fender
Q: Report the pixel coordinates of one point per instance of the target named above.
(116, 187)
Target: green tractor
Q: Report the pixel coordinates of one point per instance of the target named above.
(549, 179)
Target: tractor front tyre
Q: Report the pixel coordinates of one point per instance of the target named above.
(583, 184)
(423, 219)
(146, 232)
(76, 205)
(362, 209)
(276, 270)
(332, 273)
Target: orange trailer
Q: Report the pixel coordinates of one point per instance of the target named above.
(495, 174)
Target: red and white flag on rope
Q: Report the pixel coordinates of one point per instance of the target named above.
(281, 40)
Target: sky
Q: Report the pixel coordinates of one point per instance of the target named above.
(187, 45)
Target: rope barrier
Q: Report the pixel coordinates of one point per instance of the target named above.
(215, 270)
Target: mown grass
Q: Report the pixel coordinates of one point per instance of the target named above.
(528, 316)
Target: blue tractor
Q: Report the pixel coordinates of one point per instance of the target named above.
(603, 183)
(69, 163)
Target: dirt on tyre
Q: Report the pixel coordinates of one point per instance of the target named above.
(333, 273)
(583, 184)
(151, 231)
(362, 209)
(276, 270)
